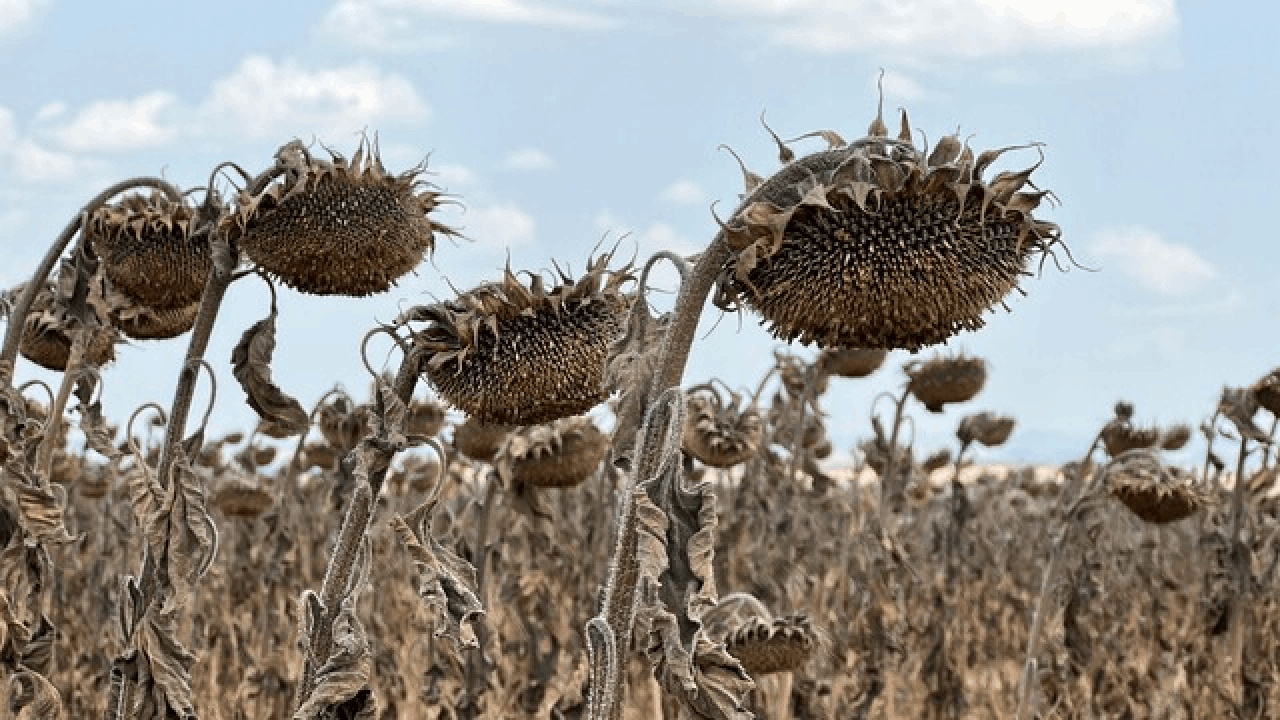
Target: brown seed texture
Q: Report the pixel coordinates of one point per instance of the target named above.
(46, 340)
(509, 354)
(332, 227)
(874, 244)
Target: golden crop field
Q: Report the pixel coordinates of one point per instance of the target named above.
(538, 515)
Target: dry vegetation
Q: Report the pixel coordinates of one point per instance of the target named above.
(677, 553)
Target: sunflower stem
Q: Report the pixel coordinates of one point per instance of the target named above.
(18, 318)
(891, 462)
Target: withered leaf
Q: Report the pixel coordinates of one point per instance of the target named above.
(706, 680)
(39, 510)
(33, 697)
(342, 686)
(251, 365)
(446, 582)
(177, 525)
(165, 673)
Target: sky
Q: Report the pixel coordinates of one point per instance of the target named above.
(559, 124)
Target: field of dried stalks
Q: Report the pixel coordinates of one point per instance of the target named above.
(562, 527)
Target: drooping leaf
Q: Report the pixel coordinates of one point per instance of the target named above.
(33, 697)
(446, 582)
(705, 679)
(251, 365)
(192, 538)
(164, 675)
(342, 685)
(39, 510)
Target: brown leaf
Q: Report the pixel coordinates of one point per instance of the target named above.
(165, 675)
(706, 680)
(39, 510)
(33, 697)
(446, 582)
(342, 685)
(251, 365)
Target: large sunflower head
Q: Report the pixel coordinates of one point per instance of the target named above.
(514, 354)
(150, 250)
(333, 227)
(881, 244)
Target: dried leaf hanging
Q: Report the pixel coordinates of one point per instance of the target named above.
(446, 582)
(251, 365)
(342, 685)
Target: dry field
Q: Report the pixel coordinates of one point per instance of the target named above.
(562, 526)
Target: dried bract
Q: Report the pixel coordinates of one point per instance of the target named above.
(871, 244)
(333, 227)
(509, 354)
(946, 379)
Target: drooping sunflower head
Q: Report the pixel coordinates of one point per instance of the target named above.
(563, 453)
(986, 428)
(880, 244)
(516, 354)
(1267, 392)
(852, 362)
(1155, 493)
(946, 379)
(47, 333)
(333, 227)
(719, 434)
(150, 250)
(142, 322)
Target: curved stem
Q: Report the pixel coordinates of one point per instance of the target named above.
(291, 472)
(686, 314)
(52, 439)
(891, 462)
(18, 318)
(48, 390)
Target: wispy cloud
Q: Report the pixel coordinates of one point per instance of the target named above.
(1158, 265)
(117, 125)
(266, 98)
(500, 225)
(34, 163)
(529, 159)
(940, 29)
(17, 14)
(684, 192)
(412, 24)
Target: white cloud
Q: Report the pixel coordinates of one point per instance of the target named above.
(657, 236)
(501, 225)
(37, 164)
(899, 85)
(119, 125)
(684, 192)
(407, 24)
(452, 175)
(939, 29)
(50, 112)
(529, 159)
(17, 14)
(8, 131)
(264, 98)
(1160, 266)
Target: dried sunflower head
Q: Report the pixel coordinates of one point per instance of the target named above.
(564, 453)
(479, 441)
(142, 322)
(877, 244)
(762, 643)
(46, 335)
(852, 362)
(241, 497)
(1175, 437)
(936, 461)
(946, 379)
(1151, 491)
(717, 434)
(343, 423)
(1121, 436)
(986, 428)
(425, 418)
(150, 250)
(1267, 392)
(509, 354)
(332, 227)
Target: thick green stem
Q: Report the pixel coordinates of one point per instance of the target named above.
(18, 319)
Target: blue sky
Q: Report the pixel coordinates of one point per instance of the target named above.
(556, 122)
